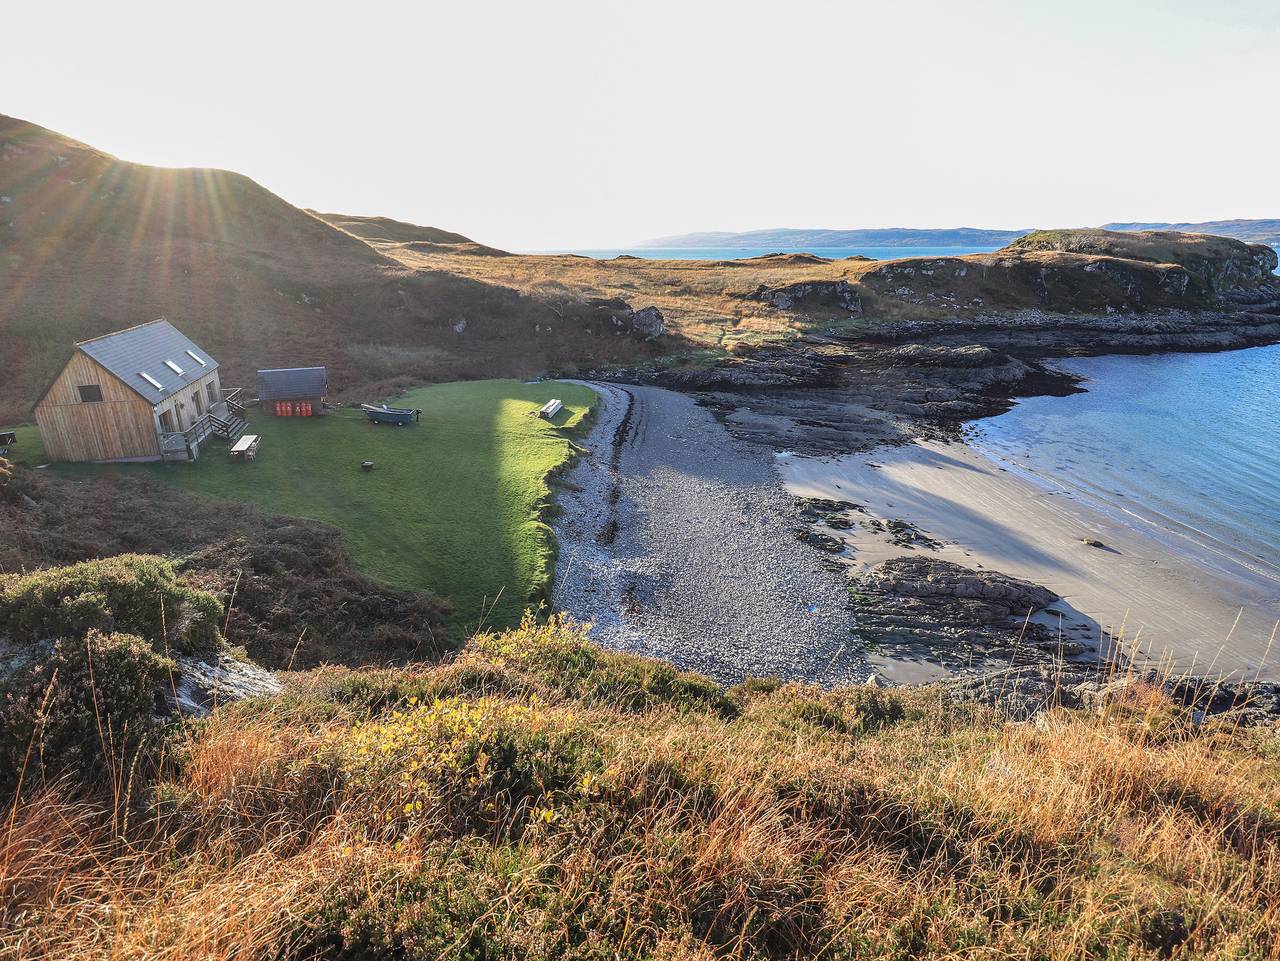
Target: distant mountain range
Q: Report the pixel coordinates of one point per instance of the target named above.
(1253, 231)
(791, 238)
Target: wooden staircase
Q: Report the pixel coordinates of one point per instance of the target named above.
(229, 428)
(232, 426)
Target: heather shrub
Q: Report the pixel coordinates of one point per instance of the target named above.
(556, 657)
(437, 911)
(87, 705)
(132, 593)
(454, 759)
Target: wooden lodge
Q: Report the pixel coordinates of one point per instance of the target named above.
(145, 393)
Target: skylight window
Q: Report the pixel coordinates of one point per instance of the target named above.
(174, 367)
(150, 380)
(192, 354)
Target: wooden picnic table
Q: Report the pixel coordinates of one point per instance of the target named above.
(246, 446)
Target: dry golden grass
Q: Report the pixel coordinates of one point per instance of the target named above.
(705, 302)
(537, 798)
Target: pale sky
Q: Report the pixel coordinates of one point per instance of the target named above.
(537, 125)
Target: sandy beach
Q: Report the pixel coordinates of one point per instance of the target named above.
(1183, 605)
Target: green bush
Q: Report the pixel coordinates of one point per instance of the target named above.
(132, 593)
(557, 657)
(453, 752)
(88, 705)
(444, 909)
(852, 710)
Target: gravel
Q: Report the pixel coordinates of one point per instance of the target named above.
(678, 542)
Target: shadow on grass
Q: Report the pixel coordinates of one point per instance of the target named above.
(454, 505)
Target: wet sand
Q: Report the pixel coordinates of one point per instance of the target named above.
(1185, 607)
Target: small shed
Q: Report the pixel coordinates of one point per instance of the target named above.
(293, 391)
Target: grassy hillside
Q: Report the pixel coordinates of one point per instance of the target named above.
(297, 599)
(453, 507)
(1215, 262)
(390, 231)
(90, 244)
(538, 798)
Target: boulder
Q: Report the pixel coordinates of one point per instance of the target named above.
(929, 578)
(648, 321)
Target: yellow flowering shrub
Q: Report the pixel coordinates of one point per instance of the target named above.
(495, 755)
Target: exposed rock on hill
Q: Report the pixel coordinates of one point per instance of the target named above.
(1216, 264)
(1026, 691)
(831, 295)
(616, 314)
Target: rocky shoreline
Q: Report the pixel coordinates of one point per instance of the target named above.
(848, 390)
(854, 390)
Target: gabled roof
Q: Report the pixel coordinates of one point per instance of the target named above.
(292, 383)
(145, 358)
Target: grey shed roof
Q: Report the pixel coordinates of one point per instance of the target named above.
(144, 350)
(292, 383)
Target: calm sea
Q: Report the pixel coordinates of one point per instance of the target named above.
(738, 253)
(1186, 445)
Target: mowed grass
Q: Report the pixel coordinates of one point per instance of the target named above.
(453, 506)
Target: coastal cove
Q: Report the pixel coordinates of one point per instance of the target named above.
(1168, 461)
(1186, 445)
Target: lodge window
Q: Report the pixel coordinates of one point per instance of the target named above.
(90, 393)
(166, 421)
(213, 392)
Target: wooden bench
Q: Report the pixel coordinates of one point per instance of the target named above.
(246, 447)
(550, 409)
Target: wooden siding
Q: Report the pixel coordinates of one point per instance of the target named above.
(183, 404)
(121, 425)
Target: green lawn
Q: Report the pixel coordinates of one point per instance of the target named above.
(453, 505)
(30, 447)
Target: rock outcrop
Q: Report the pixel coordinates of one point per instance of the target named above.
(202, 683)
(830, 295)
(647, 322)
(950, 609)
(1025, 692)
(1216, 264)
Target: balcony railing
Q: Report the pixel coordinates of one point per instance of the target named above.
(231, 397)
(180, 444)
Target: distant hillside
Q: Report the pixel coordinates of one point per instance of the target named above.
(395, 237)
(391, 231)
(791, 238)
(90, 244)
(787, 238)
(1253, 231)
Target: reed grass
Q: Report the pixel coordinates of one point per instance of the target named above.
(492, 808)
